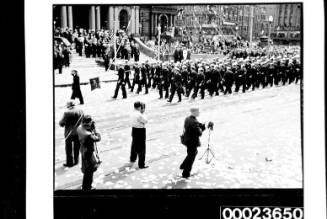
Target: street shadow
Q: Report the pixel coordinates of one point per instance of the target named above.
(170, 104)
(121, 174)
(111, 100)
(180, 184)
(124, 171)
(61, 170)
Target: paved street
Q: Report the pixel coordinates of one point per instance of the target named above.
(256, 139)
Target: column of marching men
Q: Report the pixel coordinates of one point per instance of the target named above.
(195, 79)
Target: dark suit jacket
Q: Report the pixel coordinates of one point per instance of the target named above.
(76, 85)
(193, 131)
(69, 121)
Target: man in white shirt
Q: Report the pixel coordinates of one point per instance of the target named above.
(138, 135)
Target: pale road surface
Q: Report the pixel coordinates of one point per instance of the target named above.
(256, 139)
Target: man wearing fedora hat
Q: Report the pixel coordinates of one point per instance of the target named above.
(70, 120)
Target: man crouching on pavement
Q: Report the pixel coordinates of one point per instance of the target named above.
(192, 132)
(138, 135)
(88, 137)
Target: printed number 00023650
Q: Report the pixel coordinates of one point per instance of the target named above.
(260, 212)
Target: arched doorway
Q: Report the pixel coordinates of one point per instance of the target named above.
(163, 23)
(123, 19)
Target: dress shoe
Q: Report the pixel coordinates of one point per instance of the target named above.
(185, 176)
(67, 165)
(144, 167)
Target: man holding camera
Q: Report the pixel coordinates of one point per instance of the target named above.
(88, 137)
(192, 132)
(138, 135)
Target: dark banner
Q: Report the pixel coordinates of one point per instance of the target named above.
(95, 83)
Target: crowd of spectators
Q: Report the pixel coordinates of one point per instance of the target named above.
(96, 44)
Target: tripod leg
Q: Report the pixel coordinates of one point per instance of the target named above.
(213, 154)
(206, 151)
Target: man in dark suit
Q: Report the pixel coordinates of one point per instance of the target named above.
(143, 79)
(192, 132)
(228, 81)
(136, 52)
(136, 78)
(120, 83)
(176, 85)
(76, 88)
(70, 120)
(127, 69)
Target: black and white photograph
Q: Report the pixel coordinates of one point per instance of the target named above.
(205, 109)
(191, 96)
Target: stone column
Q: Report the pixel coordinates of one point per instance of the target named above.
(133, 21)
(116, 16)
(137, 21)
(63, 18)
(171, 20)
(111, 17)
(155, 24)
(152, 25)
(70, 17)
(98, 18)
(92, 18)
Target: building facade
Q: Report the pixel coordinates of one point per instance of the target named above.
(224, 19)
(286, 17)
(139, 20)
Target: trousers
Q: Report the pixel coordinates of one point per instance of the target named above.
(87, 178)
(72, 146)
(138, 146)
(187, 164)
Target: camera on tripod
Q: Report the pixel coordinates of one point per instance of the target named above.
(209, 152)
(210, 125)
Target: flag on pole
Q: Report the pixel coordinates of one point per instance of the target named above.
(95, 83)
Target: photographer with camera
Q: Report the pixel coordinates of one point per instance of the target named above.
(191, 139)
(88, 136)
(138, 135)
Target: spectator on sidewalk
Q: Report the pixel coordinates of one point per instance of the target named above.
(192, 132)
(71, 120)
(138, 147)
(88, 136)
